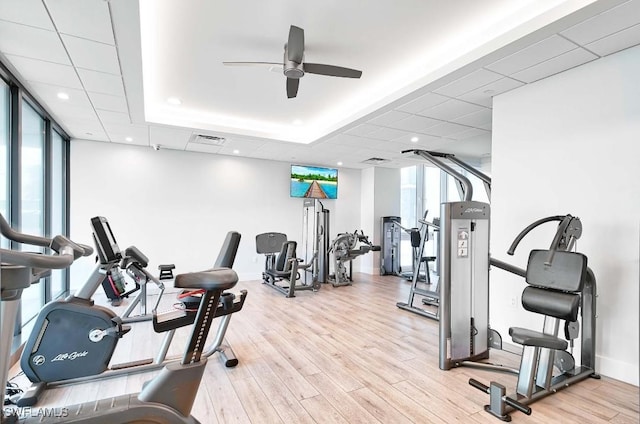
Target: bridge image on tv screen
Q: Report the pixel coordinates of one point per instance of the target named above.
(314, 182)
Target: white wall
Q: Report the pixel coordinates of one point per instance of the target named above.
(178, 206)
(571, 144)
(380, 197)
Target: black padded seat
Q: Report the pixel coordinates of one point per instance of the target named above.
(135, 253)
(528, 337)
(214, 279)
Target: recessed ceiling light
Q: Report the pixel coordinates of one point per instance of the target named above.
(174, 101)
(297, 122)
(236, 151)
(89, 133)
(339, 163)
(128, 139)
(63, 96)
(489, 92)
(414, 139)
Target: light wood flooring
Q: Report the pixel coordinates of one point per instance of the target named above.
(347, 355)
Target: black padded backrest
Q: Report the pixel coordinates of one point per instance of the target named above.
(227, 255)
(270, 242)
(415, 237)
(288, 251)
(567, 271)
(554, 289)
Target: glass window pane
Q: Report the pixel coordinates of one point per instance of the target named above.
(5, 134)
(57, 205)
(432, 204)
(408, 198)
(32, 196)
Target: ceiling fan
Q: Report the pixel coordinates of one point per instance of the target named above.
(294, 66)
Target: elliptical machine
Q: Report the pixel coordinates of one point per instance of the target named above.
(167, 398)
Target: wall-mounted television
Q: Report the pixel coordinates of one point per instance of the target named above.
(314, 182)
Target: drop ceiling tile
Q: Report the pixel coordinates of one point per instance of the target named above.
(49, 94)
(45, 72)
(119, 132)
(387, 134)
(92, 136)
(532, 55)
(484, 95)
(387, 146)
(362, 130)
(472, 81)
(138, 136)
(422, 139)
(107, 118)
(175, 138)
(451, 109)
(99, 82)
(84, 128)
(240, 144)
(337, 148)
(69, 111)
(605, 24)
(616, 42)
(474, 132)
(416, 123)
(389, 118)
(349, 140)
(476, 119)
(35, 43)
(107, 102)
(423, 102)
(94, 25)
(27, 12)
(555, 65)
(92, 55)
(202, 148)
(446, 129)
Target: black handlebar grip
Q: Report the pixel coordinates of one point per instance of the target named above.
(517, 405)
(478, 385)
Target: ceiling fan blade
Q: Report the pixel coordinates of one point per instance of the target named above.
(295, 45)
(292, 87)
(265, 64)
(331, 70)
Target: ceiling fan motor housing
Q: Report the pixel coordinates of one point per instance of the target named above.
(292, 69)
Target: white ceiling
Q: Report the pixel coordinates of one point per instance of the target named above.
(430, 70)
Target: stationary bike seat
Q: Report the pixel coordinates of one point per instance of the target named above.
(213, 279)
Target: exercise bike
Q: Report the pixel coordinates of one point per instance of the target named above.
(167, 398)
(73, 340)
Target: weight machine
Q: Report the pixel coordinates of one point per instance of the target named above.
(315, 240)
(463, 304)
(423, 286)
(562, 288)
(345, 248)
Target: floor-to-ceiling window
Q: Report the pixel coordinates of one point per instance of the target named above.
(5, 134)
(33, 182)
(32, 196)
(58, 203)
(423, 189)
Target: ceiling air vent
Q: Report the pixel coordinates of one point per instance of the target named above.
(375, 161)
(210, 140)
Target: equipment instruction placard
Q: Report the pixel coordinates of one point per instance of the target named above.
(463, 243)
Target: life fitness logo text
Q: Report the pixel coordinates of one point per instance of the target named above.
(473, 210)
(69, 356)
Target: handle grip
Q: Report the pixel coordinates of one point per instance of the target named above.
(478, 385)
(517, 405)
